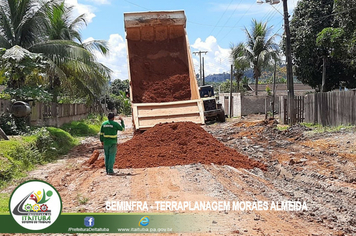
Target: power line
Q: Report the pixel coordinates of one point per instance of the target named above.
(137, 5)
(267, 15)
(278, 10)
(221, 17)
(238, 21)
(229, 17)
(207, 25)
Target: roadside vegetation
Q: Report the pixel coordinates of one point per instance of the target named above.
(39, 146)
(23, 153)
(48, 57)
(318, 128)
(88, 127)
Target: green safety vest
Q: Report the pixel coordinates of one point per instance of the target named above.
(108, 131)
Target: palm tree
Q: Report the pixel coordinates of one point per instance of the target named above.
(22, 22)
(88, 77)
(241, 64)
(42, 27)
(258, 49)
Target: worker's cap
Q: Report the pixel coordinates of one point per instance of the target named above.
(111, 115)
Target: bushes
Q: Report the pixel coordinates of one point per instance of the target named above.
(79, 128)
(16, 156)
(62, 140)
(87, 127)
(23, 153)
(120, 102)
(12, 125)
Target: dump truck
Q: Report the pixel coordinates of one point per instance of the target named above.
(163, 86)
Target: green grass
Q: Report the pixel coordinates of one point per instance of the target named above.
(16, 155)
(4, 203)
(22, 153)
(87, 127)
(318, 128)
(282, 127)
(63, 141)
(82, 200)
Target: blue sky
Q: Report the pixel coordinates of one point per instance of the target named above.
(211, 26)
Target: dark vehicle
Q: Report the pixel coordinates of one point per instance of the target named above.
(212, 110)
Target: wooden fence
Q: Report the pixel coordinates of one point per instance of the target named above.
(52, 114)
(4, 105)
(331, 108)
(299, 107)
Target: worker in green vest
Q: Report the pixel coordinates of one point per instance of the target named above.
(108, 138)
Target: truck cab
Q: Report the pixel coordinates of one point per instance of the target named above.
(212, 109)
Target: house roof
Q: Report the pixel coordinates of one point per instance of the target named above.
(283, 87)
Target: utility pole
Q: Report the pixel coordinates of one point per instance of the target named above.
(290, 85)
(200, 52)
(274, 87)
(232, 67)
(203, 73)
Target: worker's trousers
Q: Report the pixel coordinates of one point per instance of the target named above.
(110, 154)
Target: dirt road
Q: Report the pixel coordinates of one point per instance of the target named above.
(301, 166)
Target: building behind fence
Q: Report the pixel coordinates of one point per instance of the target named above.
(53, 114)
(245, 105)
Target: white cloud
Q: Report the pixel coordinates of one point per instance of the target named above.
(217, 60)
(117, 58)
(80, 9)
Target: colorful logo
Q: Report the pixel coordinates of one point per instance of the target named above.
(144, 221)
(89, 221)
(35, 205)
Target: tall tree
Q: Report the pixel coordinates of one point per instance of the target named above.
(239, 61)
(345, 20)
(42, 27)
(86, 75)
(258, 49)
(309, 19)
(119, 85)
(22, 22)
(330, 41)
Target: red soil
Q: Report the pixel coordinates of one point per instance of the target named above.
(173, 144)
(159, 70)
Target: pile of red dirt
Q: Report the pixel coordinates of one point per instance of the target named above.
(173, 144)
(159, 70)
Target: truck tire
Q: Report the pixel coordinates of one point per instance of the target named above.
(221, 116)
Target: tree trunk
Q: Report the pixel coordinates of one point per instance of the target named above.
(256, 86)
(56, 87)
